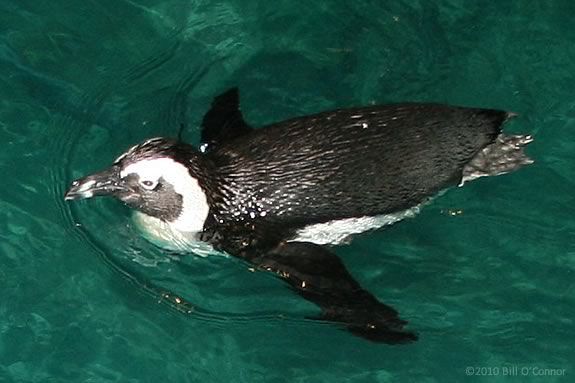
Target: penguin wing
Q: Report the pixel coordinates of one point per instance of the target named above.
(224, 121)
(319, 276)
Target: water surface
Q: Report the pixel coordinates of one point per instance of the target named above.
(485, 274)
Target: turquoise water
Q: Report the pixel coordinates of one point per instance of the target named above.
(485, 274)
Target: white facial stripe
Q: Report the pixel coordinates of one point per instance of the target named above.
(195, 206)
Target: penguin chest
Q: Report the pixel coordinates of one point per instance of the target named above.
(166, 236)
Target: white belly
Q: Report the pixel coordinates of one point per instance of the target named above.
(339, 231)
(335, 232)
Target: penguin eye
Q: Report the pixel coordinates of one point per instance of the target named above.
(148, 184)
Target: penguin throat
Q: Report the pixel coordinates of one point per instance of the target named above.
(163, 234)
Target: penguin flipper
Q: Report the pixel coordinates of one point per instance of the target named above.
(319, 276)
(224, 121)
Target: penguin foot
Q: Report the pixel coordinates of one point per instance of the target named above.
(505, 155)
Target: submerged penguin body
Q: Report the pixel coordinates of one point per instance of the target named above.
(270, 196)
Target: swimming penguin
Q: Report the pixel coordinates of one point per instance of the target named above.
(277, 196)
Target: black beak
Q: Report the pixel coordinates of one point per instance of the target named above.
(106, 182)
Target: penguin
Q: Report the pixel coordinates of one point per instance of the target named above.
(280, 196)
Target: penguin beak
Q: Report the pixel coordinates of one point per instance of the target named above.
(106, 182)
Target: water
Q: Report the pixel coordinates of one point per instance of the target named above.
(484, 273)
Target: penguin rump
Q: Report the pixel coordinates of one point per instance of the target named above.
(276, 196)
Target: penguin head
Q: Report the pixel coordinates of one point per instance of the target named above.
(158, 177)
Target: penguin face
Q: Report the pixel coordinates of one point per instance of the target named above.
(156, 178)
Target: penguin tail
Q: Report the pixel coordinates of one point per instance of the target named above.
(503, 156)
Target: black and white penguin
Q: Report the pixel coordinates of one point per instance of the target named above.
(276, 196)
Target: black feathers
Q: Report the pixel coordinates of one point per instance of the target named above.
(264, 185)
(329, 166)
(350, 163)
